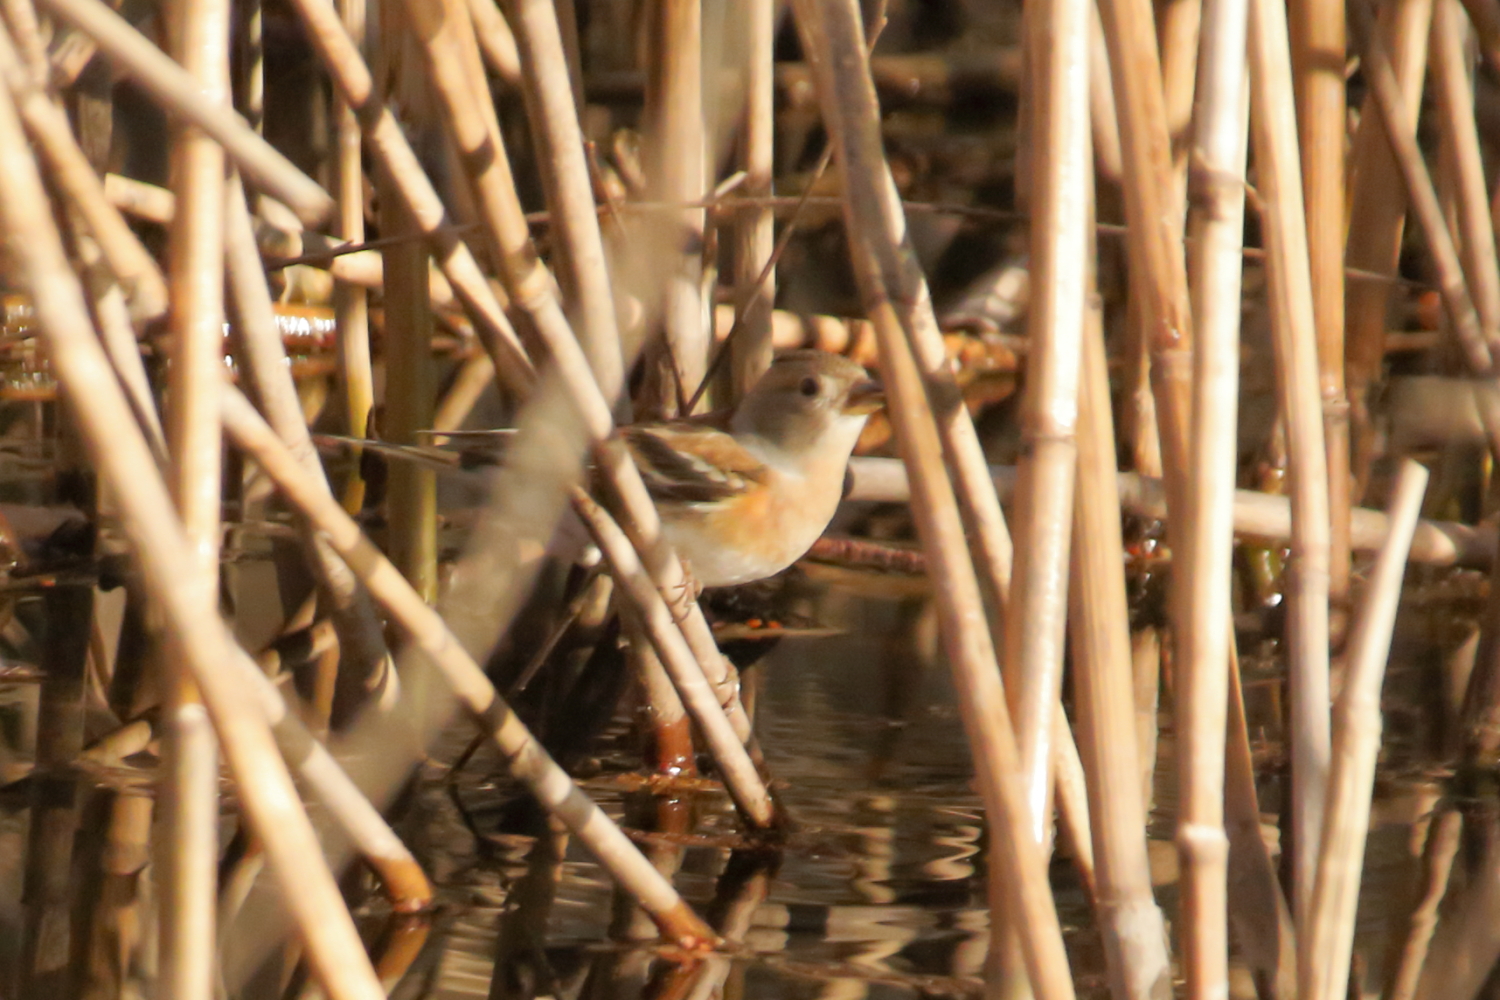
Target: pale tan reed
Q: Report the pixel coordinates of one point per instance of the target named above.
(1324, 972)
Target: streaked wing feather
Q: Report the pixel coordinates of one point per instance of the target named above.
(691, 464)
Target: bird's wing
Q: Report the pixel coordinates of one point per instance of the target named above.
(689, 463)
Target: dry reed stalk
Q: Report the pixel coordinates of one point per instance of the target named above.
(661, 715)
(1259, 916)
(1135, 938)
(755, 228)
(70, 170)
(583, 267)
(1377, 217)
(473, 378)
(195, 252)
(1203, 566)
(175, 89)
(1295, 341)
(1318, 51)
(365, 670)
(496, 41)
(1071, 791)
(351, 302)
(832, 34)
(1036, 613)
(1103, 118)
(1420, 194)
(1154, 239)
(1177, 31)
(330, 38)
(185, 597)
(1455, 93)
(410, 388)
(1437, 865)
(528, 761)
(1329, 930)
(1261, 515)
(112, 316)
(635, 584)
(1484, 15)
(26, 31)
(678, 171)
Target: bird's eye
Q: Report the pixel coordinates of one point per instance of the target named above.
(808, 386)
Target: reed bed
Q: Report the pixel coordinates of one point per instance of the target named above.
(511, 230)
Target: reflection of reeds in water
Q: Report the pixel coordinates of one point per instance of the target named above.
(610, 304)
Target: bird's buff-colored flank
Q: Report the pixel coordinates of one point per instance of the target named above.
(744, 503)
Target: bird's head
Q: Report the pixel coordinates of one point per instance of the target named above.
(809, 403)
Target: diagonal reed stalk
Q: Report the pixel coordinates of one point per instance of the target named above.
(1294, 336)
(186, 597)
(528, 761)
(896, 301)
(1330, 920)
(190, 799)
(1203, 564)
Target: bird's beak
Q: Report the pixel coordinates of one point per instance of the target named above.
(864, 397)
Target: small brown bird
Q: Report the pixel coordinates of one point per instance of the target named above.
(744, 503)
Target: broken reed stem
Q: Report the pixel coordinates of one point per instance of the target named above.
(740, 777)
(186, 598)
(1294, 335)
(1072, 795)
(388, 144)
(1329, 929)
(833, 36)
(1203, 566)
(1318, 52)
(526, 758)
(1455, 93)
(195, 253)
(755, 228)
(1377, 218)
(1472, 336)
(1135, 937)
(351, 302)
(582, 264)
(1035, 617)
(176, 90)
(70, 170)
(1260, 515)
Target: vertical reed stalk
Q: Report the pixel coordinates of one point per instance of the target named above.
(1318, 53)
(1437, 865)
(410, 388)
(1455, 98)
(185, 596)
(1203, 565)
(679, 172)
(1329, 929)
(351, 303)
(755, 228)
(583, 268)
(1154, 239)
(190, 806)
(526, 758)
(1420, 194)
(664, 719)
(1377, 218)
(1294, 333)
(1135, 938)
(1035, 616)
(1177, 31)
(896, 300)
(496, 42)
